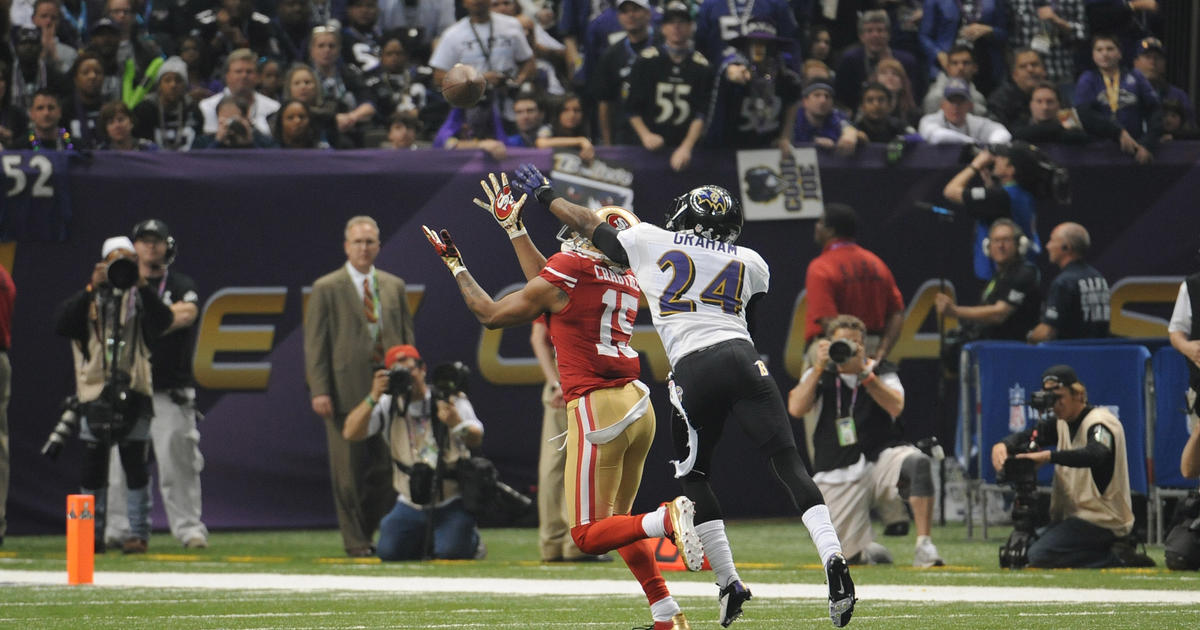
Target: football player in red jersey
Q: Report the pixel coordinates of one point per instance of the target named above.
(591, 303)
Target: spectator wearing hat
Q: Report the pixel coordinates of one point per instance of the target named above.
(610, 83)
(955, 124)
(820, 123)
(116, 121)
(960, 64)
(980, 24)
(1078, 301)
(173, 433)
(422, 433)
(757, 95)
(1049, 122)
(1151, 61)
(353, 313)
(241, 77)
(858, 62)
(1054, 29)
(33, 71)
(169, 117)
(47, 14)
(1118, 104)
(720, 22)
(668, 90)
(1009, 103)
(1091, 509)
(875, 118)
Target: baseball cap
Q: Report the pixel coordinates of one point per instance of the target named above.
(151, 226)
(1059, 375)
(675, 8)
(1151, 44)
(645, 4)
(956, 87)
(104, 23)
(26, 35)
(114, 243)
(395, 353)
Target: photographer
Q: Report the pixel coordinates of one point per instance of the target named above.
(234, 130)
(859, 455)
(111, 325)
(1014, 177)
(1090, 506)
(1010, 303)
(426, 436)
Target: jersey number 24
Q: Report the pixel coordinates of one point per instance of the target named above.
(724, 291)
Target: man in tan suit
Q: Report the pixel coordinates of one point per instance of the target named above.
(352, 315)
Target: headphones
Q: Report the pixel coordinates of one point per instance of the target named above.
(1023, 242)
(158, 227)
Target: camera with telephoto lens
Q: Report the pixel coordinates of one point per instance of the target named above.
(400, 382)
(236, 128)
(450, 379)
(1043, 401)
(1021, 475)
(122, 273)
(1034, 170)
(68, 424)
(842, 350)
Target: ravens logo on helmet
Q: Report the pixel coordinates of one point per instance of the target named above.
(762, 184)
(709, 211)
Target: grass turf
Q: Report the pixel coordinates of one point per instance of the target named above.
(767, 552)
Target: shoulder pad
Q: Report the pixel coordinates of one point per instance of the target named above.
(260, 18)
(649, 52)
(700, 59)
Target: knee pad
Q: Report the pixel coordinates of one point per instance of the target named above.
(789, 470)
(916, 476)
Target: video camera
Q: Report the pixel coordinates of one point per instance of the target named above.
(1035, 171)
(1021, 474)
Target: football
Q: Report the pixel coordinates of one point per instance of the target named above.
(463, 86)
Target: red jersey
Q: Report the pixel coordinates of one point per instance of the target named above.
(591, 335)
(849, 280)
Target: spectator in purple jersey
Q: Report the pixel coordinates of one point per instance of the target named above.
(720, 22)
(820, 123)
(1118, 104)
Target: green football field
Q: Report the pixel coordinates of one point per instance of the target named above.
(300, 579)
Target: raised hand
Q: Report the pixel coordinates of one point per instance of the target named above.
(501, 205)
(445, 247)
(529, 180)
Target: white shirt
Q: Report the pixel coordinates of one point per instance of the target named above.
(358, 277)
(1181, 317)
(433, 16)
(260, 109)
(504, 47)
(711, 310)
(937, 130)
(381, 412)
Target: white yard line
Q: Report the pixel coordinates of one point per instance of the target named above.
(877, 592)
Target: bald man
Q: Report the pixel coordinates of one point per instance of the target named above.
(1078, 302)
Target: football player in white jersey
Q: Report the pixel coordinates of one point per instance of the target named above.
(699, 285)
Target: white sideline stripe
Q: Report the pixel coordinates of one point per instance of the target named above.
(866, 592)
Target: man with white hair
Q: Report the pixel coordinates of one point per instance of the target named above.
(241, 77)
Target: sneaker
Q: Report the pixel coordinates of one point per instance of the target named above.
(678, 622)
(134, 545)
(927, 556)
(841, 590)
(681, 528)
(878, 554)
(731, 598)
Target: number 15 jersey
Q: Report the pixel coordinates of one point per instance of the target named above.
(697, 289)
(591, 335)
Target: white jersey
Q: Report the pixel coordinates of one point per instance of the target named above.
(697, 289)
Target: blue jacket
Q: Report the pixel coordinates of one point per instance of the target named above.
(1137, 104)
(939, 32)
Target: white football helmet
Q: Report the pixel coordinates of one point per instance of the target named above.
(619, 218)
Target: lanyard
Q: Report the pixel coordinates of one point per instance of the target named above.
(486, 50)
(853, 397)
(80, 23)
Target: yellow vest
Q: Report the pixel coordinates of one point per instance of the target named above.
(1075, 493)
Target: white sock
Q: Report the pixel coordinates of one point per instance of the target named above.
(664, 609)
(924, 539)
(718, 552)
(824, 536)
(654, 524)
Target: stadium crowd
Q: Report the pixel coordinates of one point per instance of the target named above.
(668, 76)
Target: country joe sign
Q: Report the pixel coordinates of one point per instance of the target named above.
(778, 186)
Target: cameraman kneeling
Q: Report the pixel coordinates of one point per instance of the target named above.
(1090, 505)
(426, 437)
(111, 324)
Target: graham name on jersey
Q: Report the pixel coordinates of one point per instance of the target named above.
(700, 241)
(606, 274)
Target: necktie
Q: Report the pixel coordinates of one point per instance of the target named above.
(369, 309)
(369, 301)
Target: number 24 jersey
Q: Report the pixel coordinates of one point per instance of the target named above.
(591, 335)
(697, 289)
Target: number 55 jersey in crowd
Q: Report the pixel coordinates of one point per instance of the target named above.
(697, 288)
(591, 335)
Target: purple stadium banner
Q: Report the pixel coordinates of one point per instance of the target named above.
(256, 228)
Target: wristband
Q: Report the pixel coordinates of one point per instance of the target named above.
(370, 401)
(512, 236)
(546, 195)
